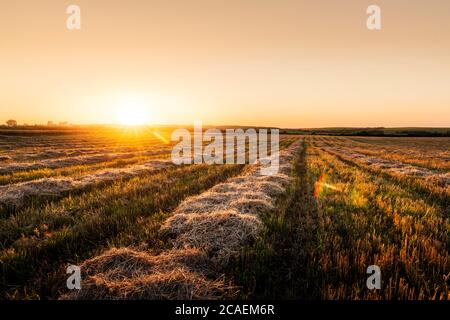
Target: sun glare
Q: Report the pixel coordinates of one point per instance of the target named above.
(131, 112)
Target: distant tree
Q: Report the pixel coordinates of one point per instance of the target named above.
(11, 123)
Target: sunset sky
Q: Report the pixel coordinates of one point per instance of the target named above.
(287, 63)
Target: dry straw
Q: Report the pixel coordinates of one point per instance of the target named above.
(220, 234)
(17, 194)
(72, 161)
(395, 167)
(129, 274)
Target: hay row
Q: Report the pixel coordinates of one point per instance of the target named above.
(72, 161)
(391, 166)
(132, 274)
(224, 219)
(428, 149)
(41, 153)
(17, 194)
(206, 230)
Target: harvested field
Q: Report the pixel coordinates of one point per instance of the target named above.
(430, 153)
(71, 197)
(74, 161)
(142, 228)
(343, 215)
(18, 194)
(383, 162)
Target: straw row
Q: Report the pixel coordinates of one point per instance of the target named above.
(72, 161)
(18, 194)
(391, 166)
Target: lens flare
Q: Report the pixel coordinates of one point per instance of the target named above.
(322, 185)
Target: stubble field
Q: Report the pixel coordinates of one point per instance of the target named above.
(143, 228)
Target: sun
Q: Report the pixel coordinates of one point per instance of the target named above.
(131, 111)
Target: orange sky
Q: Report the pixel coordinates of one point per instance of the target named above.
(288, 63)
